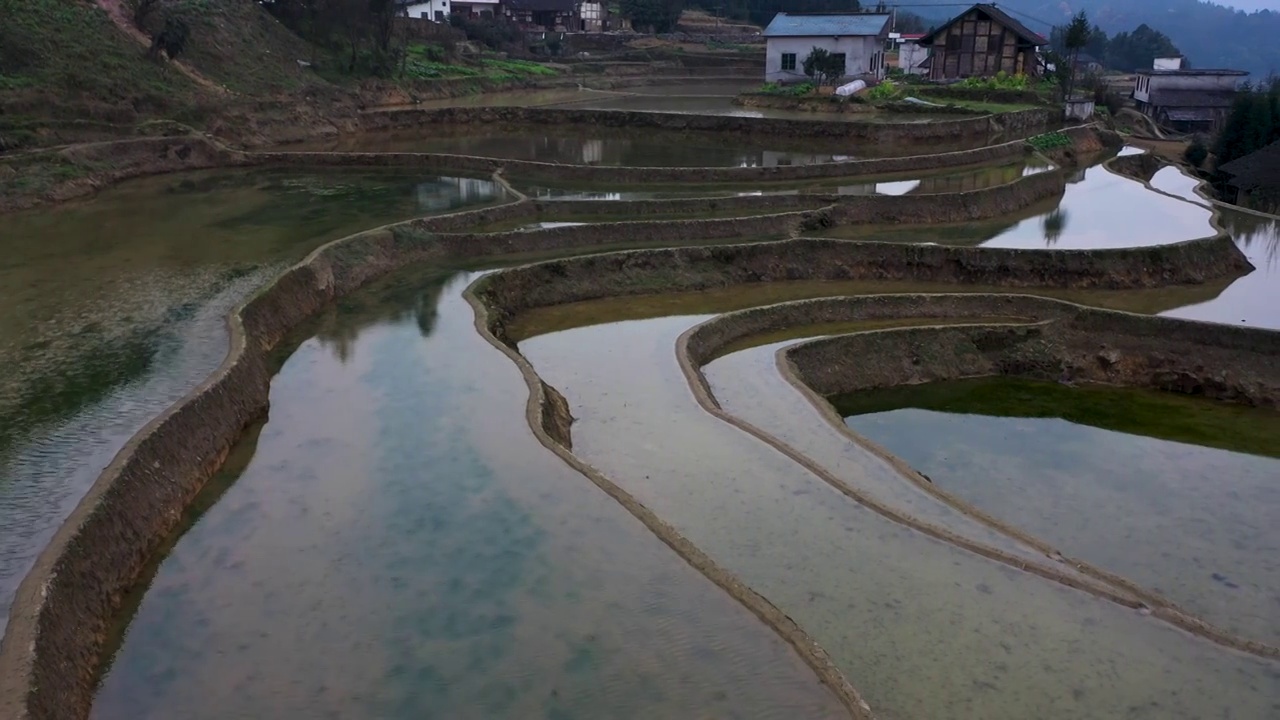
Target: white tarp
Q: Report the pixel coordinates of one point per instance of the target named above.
(851, 88)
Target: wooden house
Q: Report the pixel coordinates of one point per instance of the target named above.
(981, 42)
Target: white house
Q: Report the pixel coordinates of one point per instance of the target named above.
(911, 54)
(858, 37)
(1187, 100)
(440, 10)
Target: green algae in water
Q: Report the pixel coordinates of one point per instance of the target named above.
(1128, 410)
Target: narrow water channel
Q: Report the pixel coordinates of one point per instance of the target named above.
(115, 307)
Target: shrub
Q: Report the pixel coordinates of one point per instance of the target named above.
(1000, 81)
(1196, 153)
(1049, 141)
(798, 90)
(884, 91)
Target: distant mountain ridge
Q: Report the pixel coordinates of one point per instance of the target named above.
(1211, 36)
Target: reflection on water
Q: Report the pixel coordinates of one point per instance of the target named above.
(1100, 209)
(115, 308)
(1194, 522)
(398, 545)
(1255, 298)
(941, 182)
(666, 149)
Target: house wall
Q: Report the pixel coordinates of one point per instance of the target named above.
(1079, 109)
(910, 55)
(859, 52)
(976, 45)
(1145, 84)
(437, 10)
(475, 7)
(592, 14)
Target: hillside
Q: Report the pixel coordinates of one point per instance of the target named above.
(1210, 35)
(68, 64)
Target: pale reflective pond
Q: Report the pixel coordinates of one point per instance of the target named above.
(1110, 476)
(1100, 209)
(115, 307)
(398, 545)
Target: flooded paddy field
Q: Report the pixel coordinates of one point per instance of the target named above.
(116, 307)
(394, 541)
(1177, 493)
(449, 562)
(947, 181)
(1101, 209)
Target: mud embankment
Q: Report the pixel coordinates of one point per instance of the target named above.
(1222, 362)
(686, 269)
(885, 132)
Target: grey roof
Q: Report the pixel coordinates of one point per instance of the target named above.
(832, 25)
(1000, 16)
(1192, 98)
(1189, 114)
(1235, 73)
(1257, 169)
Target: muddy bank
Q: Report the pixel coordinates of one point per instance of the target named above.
(904, 132)
(697, 268)
(1075, 344)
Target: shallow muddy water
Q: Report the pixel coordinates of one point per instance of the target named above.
(1080, 468)
(115, 307)
(922, 629)
(398, 545)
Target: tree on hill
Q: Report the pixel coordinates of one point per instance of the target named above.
(1253, 123)
(1136, 50)
(760, 12)
(1074, 38)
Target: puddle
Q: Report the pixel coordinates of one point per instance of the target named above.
(398, 513)
(1108, 475)
(922, 629)
(96, 347)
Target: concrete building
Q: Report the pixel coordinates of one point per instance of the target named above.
(981, 42)
(437, 10)
(858, 37)
(911, 54)
(1187, 100)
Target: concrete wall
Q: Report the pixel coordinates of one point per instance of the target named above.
(1081, 109)
(859, 51)
(910, 55)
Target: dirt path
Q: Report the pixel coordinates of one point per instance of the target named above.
(119, 15)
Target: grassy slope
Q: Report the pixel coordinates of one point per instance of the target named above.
(66, 52)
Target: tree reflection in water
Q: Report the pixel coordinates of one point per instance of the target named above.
(1053, 224)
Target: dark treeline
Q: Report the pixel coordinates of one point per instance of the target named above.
(362, 30)
(1253, 124)
(1125, 51)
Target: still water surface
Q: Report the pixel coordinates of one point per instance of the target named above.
(398, 514)
(1194, 523)
(116, 307)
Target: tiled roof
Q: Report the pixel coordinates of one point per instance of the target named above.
(843, 25)
(1257, 169)
(999, 16)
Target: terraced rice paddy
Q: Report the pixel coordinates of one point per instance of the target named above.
(405, 535)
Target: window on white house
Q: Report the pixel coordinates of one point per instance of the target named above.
(838, 58)
(788, 61)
